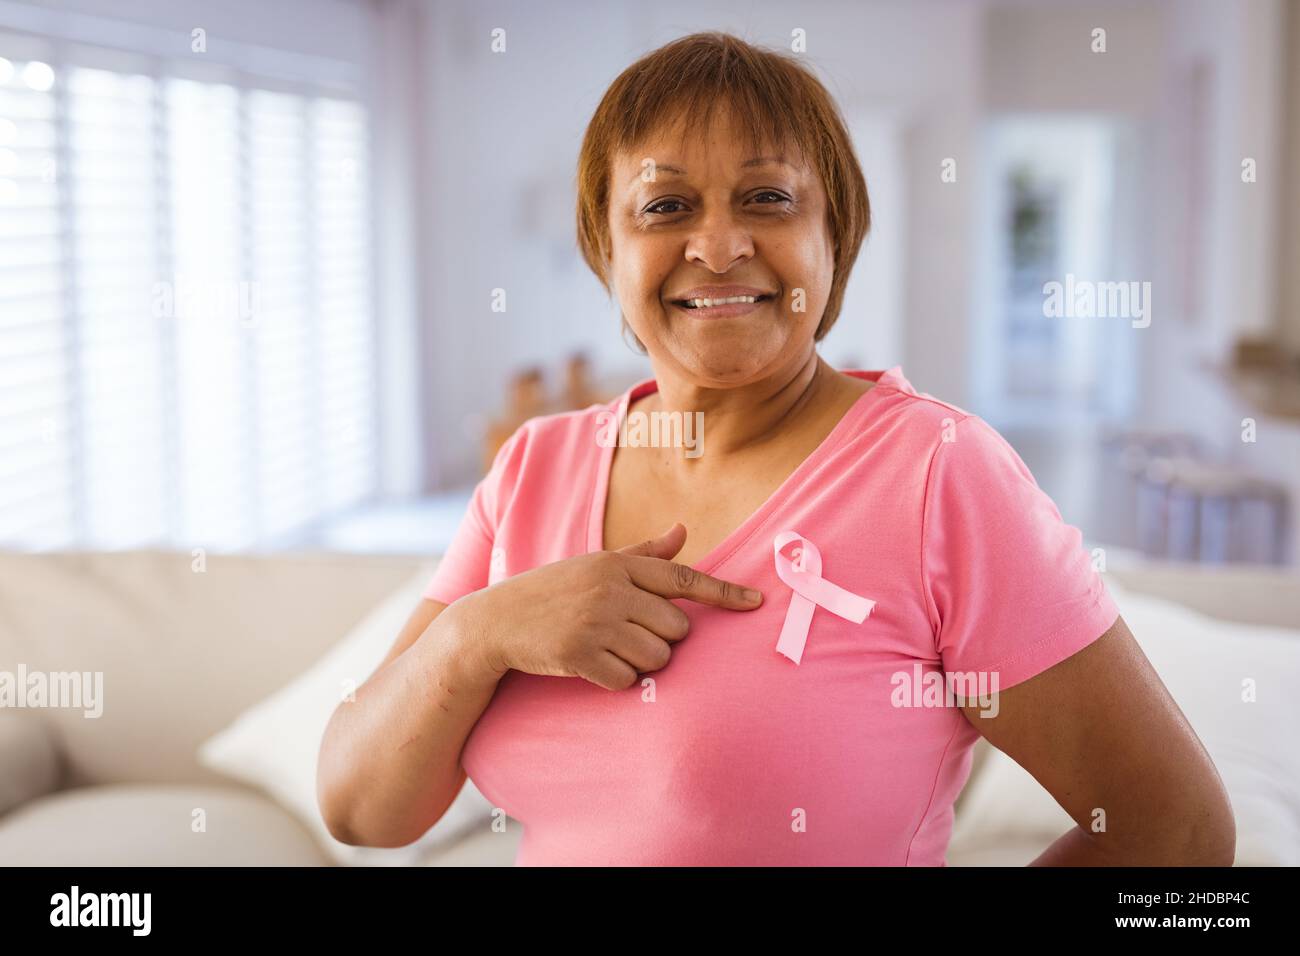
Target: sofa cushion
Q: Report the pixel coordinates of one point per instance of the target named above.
(182, 643)
(144, 825)
(275, 744)
(29, 759)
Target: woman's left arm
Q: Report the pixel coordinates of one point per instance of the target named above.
(1100, 732)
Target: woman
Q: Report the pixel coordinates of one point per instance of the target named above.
(615, 687)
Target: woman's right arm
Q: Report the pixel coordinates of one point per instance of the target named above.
(389, 763)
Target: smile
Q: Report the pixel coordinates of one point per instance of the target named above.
(721, 307)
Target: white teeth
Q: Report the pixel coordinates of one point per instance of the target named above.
(705, 303)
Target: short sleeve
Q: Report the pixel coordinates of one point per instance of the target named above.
(466, 565)
(1011, 588)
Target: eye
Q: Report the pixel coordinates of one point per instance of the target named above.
(780, 197)
(655, 207)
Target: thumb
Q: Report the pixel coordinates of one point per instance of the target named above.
(664, 546)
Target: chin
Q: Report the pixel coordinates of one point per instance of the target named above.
(723, 368)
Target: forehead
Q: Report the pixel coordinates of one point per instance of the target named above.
(692, 146)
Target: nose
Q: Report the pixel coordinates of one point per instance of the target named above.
(719, 241)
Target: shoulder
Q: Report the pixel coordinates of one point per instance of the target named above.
(541, 461)
(917, 423)
(543, 440)
(902, 402)
(946, 440)
(974, 467)
(560, 430)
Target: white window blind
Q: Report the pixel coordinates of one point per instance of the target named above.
(37, 501)
(187, 340)
(112, 191)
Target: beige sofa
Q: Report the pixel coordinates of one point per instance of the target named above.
(184, 653)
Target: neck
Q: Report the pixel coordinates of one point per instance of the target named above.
(742, 417)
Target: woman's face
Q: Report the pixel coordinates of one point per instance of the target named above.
(711, 214)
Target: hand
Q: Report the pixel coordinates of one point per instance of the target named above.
(604, 616)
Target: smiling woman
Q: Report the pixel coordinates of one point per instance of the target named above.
(621, 691)
(762, 134)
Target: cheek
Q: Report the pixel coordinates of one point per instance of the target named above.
(805, 260)
(816, 252)
(637, 267)
(649, 269)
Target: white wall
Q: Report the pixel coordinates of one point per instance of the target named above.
(1235, 279)
(397, 95)
(870, 330)
(940, 254)
(1288, 301)
(1040, 56)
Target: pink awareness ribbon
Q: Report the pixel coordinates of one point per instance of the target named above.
(804, 576)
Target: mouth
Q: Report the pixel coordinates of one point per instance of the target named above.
(721, 307)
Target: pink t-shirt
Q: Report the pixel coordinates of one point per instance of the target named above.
(733, 754)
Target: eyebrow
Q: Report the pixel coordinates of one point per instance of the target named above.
(756, 161)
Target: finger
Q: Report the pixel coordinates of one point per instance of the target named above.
(610, 671)
(657, 615)
(664, 546)
(641, 649)
(673, 580)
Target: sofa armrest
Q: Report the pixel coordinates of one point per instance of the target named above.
(29, 760)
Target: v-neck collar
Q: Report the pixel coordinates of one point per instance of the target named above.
(887, 379)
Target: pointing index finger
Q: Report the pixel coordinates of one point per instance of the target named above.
(672, 579)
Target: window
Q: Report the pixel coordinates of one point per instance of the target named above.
(187, 337)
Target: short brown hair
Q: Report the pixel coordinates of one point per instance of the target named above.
(784, 104)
